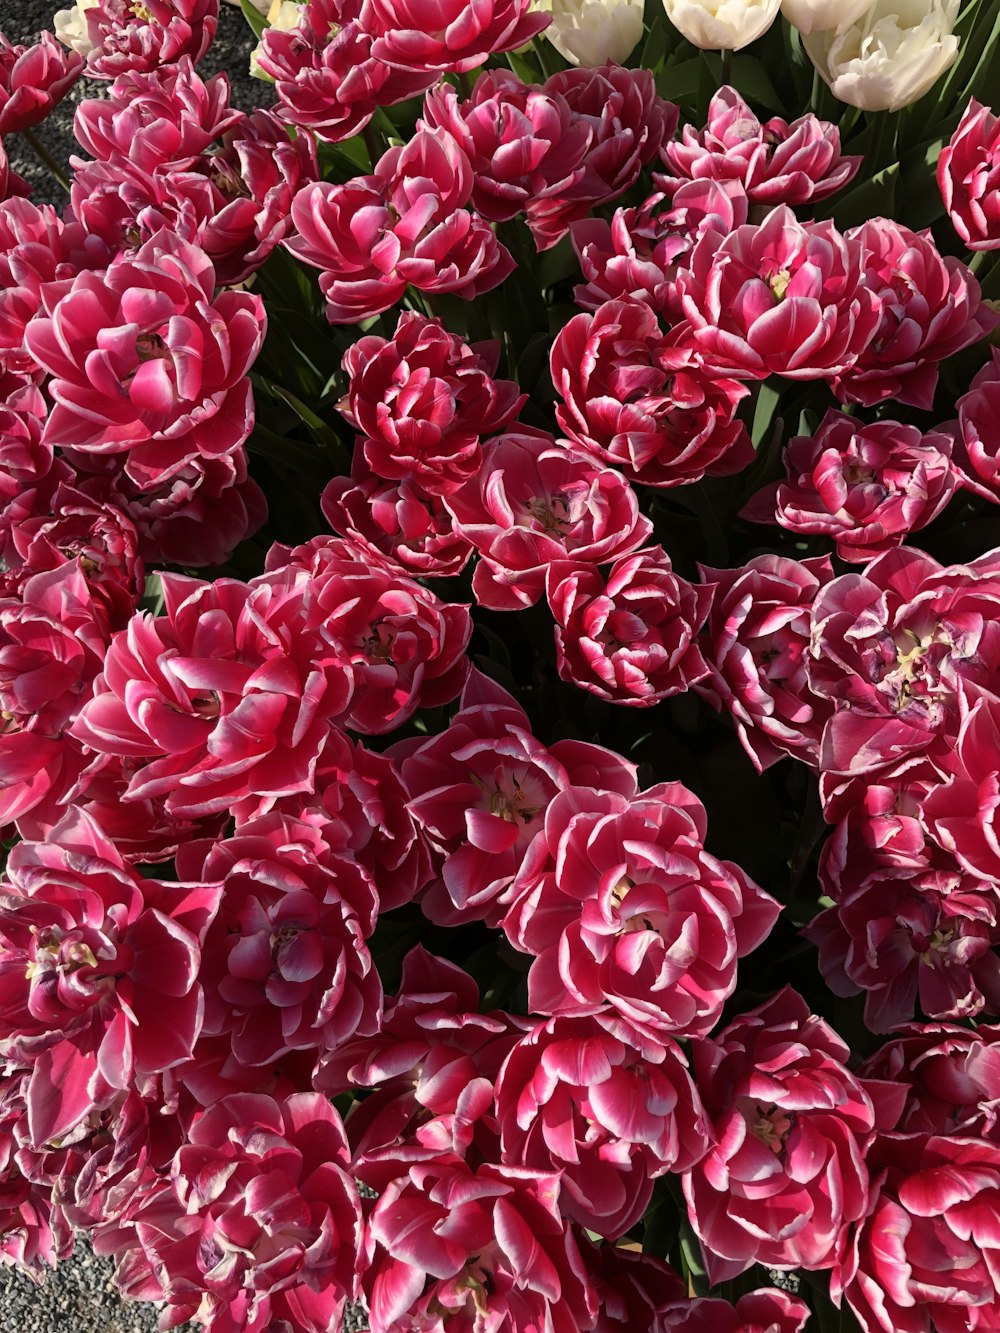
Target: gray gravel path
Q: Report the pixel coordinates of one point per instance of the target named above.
(79, 1297)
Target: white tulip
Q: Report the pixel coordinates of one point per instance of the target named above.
(722, 25)
(70, 26)
(822, 15)
(591, 32)
(284, 15)
(890, 56)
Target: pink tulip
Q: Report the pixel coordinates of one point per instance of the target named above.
(639, 401)
(69, 527)
(196, 518)
(977, 452)
(638, 254)
(357, 806)
(786, 1179)
(406, 224)
(325, 73)
(284, 966)
(768, 1311)
(897, 640)
(931, 309)
(924, 1257)
(153, 364)
(968, 174)
(525, 145)
(225, 694)
(908, 922)
(584, 1095)
(950, 1074)
(403, 646)
(99, 980)
(33, 80)
(487, 1247)
(37, 249)
(424, 400)
(478, 791)
(775, 162)
(756, 644)
(258, 1224)
(630, 637)
(447, 35)
(785, 298)
(634, 1290)
(398, 522)
(428, 1074)
(168, 115)
(533, 504)
(629, 122)
(866, 486)
(626, 887)
(125, 37)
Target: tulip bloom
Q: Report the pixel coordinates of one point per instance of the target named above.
(589, 32)
(632, 637)
(890, 55)
(33, 79)
(866, 486)
(775, 162)
(785, 298)
(968, 174)
(722, 25)
(822, 15)
(786, 1178)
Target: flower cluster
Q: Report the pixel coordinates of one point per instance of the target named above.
(567, 895)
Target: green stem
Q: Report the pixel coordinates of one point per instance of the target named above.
(44, 156)
(885, 139)
(372, 143)
(727, 66)
(540, 45)
(815, 93)
(465, 85)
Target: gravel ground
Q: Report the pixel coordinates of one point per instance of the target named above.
(79, 1297)
(22, 20)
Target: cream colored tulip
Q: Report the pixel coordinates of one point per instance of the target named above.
(890, 56)
(591, 32)
(70, 26)
(722, 25)
(822, 15)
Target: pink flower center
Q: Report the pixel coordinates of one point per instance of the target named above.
(778, 283)
(150, 346)
(551, 514)
(771, 1125)
(510, 803)
(936, 954)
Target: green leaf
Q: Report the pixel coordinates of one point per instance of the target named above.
(558, 264)
(345, 159)
(768, 398)
(680, 82)
(653, 51)
(254, 17)
(754, 83)
(692, 1264)
(152, 597)
(872, 198)
(320, 430)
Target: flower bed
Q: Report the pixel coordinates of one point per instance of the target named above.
(500, 666)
